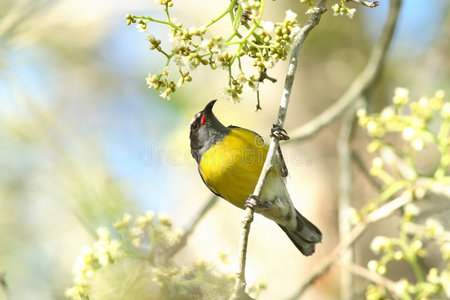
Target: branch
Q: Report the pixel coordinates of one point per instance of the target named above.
(183, 240)
(360, 85)
(239, 288)
(345, 196)
(360, 164)
(370, 4)
(380, 213)
(374, 277)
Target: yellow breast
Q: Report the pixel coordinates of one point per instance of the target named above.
(232, 166)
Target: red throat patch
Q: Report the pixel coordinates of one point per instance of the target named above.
(203, 120)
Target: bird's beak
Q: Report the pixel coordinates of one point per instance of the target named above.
(208, 108)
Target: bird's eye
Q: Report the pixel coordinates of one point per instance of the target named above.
(194, 126)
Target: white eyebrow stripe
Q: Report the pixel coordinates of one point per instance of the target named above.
(195, 117)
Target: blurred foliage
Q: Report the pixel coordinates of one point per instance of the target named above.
(422, 125)
(132, 263)
(62, 100)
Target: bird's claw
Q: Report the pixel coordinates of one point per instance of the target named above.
(279, 133)
(254, 201)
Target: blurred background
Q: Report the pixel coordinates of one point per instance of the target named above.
(83, 141)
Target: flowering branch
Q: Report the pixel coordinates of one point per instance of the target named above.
(380, 213)
(239, 288)
(250, 38)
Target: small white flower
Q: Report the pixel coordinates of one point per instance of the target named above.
(351, 12)
(103, 233)
(446, 110)
(165, 95)
(372, 265)
(387, 113)
(336, 9)
(379, 243)
(434, 227)
(103, 258)
(268, 26)
(408, 133)
(401, 92)
(205, 43)
(417, 144)
(268, 64)
(290, 16)
(202, 29)
(401, 286)
(312, 10)
(192, 29)
(89, 273)
(165, 72)
(377, 162)
(420, 192)
(361, 112)
(412, 209)
(416, 245)
(423, 102)
(372, 126)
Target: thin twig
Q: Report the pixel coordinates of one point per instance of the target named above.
(374, 277)
(359, 85)
(190, 229)
(258, 101)
(239, 288)
(360, 164)
(345, 196)
(263, 75)
(414, 228)
(380, 213)
(370, 4)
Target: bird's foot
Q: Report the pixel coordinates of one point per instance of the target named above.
(279, 133)
(254, 201)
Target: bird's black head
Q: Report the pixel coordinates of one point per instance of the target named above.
(206, 130)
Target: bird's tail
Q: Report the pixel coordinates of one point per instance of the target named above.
(305, 236)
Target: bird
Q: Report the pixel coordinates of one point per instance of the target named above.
(230, 160)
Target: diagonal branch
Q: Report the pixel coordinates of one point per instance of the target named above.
(360, 164)
(378, 214)
(239, 288)
(359, 86)
(184, 238)
(374, 277)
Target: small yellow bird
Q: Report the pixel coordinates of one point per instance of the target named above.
(230, 160)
